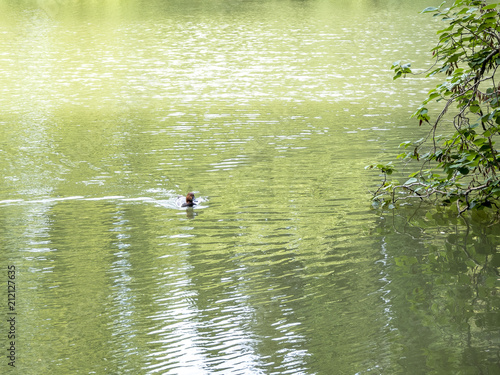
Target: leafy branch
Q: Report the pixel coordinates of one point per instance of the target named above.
(461, 166)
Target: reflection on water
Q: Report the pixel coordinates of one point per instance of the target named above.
(446, 268)
(268, 110)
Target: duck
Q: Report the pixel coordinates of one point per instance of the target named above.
(189, 200)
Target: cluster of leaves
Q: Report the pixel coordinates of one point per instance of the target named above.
(463, 166)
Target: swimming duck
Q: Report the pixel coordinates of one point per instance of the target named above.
(189, 200)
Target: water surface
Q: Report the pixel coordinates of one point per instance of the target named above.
(268, 111)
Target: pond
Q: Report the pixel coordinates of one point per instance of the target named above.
(268, 110)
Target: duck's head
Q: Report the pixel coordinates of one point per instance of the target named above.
(189, 198)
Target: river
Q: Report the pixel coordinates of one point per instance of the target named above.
(268, 110)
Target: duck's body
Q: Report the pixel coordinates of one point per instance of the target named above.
(187, 202)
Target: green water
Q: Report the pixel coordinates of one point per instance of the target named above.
(268, 111)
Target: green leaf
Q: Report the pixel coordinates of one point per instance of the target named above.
(479, 141)
(474, 108)
(491, 281)
(411, 181)
(464, 170)
(395, 64)
(434, 95)
(449, 28)
(491, 6)
(429, 9)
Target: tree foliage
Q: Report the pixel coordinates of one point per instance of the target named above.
(462, 166)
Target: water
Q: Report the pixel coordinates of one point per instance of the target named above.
(268, 111)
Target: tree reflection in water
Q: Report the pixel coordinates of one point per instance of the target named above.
(444, 291)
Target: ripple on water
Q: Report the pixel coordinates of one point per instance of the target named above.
(261, 106)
